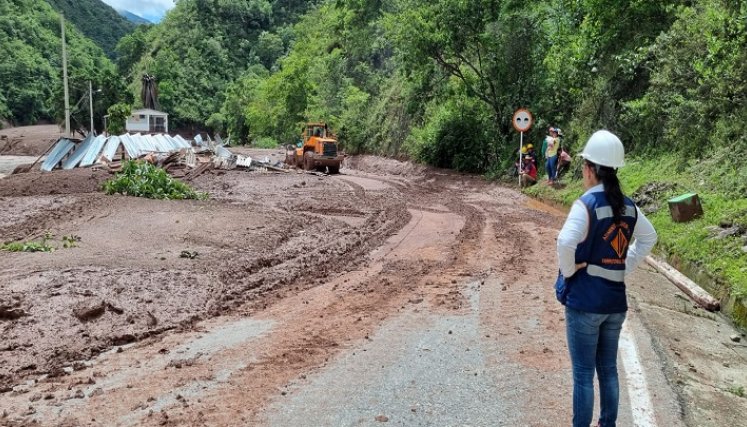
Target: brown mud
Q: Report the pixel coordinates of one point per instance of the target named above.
(28, 140)
(285, 272)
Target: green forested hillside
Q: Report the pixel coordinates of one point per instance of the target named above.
(201, 46)
(135, 19)
(31, 70)
(438, 80)
(97, 20)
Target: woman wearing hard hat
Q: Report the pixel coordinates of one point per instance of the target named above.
(604, 237)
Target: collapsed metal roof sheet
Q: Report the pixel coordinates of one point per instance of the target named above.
(59, 151)
(93, 151)
(110, 149)
(87, 153)
(77, 155)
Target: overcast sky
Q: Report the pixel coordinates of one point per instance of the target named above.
(152, 10)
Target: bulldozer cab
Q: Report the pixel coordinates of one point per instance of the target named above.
(319, 130)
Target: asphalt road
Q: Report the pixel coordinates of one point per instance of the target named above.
(451, 321)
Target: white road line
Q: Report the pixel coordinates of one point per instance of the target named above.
(640, 400)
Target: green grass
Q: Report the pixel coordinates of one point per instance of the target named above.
(40, 246)
(737, 391)
(722, 260)
(29, 246)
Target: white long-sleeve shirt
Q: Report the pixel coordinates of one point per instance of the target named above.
(576, 228)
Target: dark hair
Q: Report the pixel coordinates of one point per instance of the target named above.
(612, 190)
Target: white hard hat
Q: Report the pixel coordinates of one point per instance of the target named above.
(605, 149)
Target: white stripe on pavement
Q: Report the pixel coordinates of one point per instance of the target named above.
(640, 400)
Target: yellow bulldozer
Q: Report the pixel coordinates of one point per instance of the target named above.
(316, 150)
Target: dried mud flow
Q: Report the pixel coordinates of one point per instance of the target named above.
(28, 140)
(208, 312)
(259, 235)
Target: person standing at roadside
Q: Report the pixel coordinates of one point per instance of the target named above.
(541, 160)
(551, 154)
(604, 237)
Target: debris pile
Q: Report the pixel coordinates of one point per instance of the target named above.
(173, 153)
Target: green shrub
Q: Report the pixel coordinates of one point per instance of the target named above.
(456, 135)
(27, 247)
(31, 246)
(142, 179)
(265, 142)
(736, 390)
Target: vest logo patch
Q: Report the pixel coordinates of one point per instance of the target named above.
(620, 243)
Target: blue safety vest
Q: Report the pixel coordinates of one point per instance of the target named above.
(600, 287)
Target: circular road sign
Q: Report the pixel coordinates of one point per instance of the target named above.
(522, 120)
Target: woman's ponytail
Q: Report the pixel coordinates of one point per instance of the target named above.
(615, 197)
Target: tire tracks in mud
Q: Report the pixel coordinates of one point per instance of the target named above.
(366, 275)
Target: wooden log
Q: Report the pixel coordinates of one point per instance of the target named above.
(199, 170)
(695, 292)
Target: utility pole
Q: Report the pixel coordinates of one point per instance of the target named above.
(64, 78)
(90, 105)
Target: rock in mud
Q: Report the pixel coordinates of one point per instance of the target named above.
(7, 313)
(89, 309)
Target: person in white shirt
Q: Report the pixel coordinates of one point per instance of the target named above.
(603, 239)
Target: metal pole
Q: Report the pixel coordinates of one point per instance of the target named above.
(521, 144)
(90, 105)
(64, 78)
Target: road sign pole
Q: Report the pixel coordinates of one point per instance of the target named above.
(518, 168)
(522, 121)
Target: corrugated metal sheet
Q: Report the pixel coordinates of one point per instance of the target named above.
(164, 143)
(110, 149)
(182, 141)
(79, 153)
(223, 152)
(244, 161)
(93, 151)
(59, 151)
(88, 152)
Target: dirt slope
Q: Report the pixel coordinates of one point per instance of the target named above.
(28, 140)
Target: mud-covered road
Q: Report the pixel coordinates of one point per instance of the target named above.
(387, 294)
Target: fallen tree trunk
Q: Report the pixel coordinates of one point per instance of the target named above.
(695, 292)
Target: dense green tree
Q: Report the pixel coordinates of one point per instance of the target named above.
(203, 45)
(131, 48)
(96, 20)
(31, 66)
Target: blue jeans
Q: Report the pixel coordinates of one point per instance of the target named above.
(551, 165)
(592, 342)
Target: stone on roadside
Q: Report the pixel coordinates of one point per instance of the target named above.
(731, 231)
(735, 338)
(89, 309)
(382, 418)
(713, 230)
